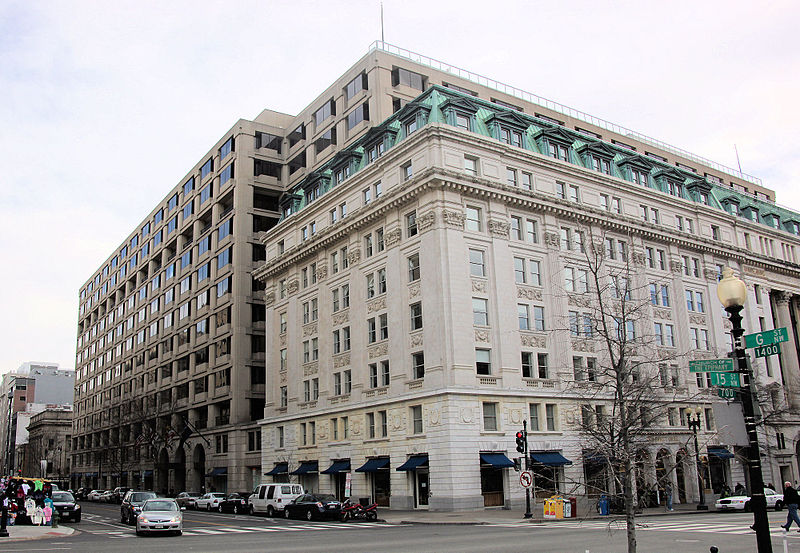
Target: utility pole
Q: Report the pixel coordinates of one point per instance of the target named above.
(522, 447)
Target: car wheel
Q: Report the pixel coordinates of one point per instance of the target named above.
(747, 507)
(252, 511)
(309, 515)
(270, 511)
(778, 505)
(178, 532)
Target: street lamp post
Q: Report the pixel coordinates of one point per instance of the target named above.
(732, 292)
(694, 426)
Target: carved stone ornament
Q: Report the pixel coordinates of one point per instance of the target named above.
(579, 300)
(293, 286)
(322, 272)
(710, 274)
(308, 330)
(529, 293)
(697, 319)
(376, 305)
(341, 361)
(397, 421)
(782, 298)
(426, 221)
(322, 432)
(283, 339)
(453, 218)
(552, 240)
(582, 345)
(416, 340)
(310, 368)
(478, 285)
(755, 271)
(269, 299)
(662, 314)
(498, 228)
(533, 341)
(676, 266)
(639, 258)
(355, 427)
(377, 351)
(481, 335)
(283, 377)
(467, 414)
(434, 416)
(413, 290)
(341, 318)
(353, 256)
(392, 237)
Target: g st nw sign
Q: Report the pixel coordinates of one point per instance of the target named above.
(766, 338)
(711, 365)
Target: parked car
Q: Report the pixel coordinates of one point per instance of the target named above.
(118, 494)
(131, 505)
(81, 493)
(94, 495)
(235, 503)
(742, 502)
(160, 515)
(272, 498)
(186, 499)
(64, 503)
(209, 501)
(311, 506)
(107, 496)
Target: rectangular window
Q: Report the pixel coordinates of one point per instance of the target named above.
(523, 316)
(355, 86)
(411, 224)
(328, 109)
(480, 311)
(416, 316)
(206, 169)
(477, 265)
(483, 362)
(471, 165)
(361, 113)
(418, 365)
(550, 415)
(489, 417)
(416, 419)
(413, 267)
(473, 219)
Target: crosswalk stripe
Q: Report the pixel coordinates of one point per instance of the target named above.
(261, 529)
(234, 530)
(207, 531)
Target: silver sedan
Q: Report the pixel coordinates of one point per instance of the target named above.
(160, 515)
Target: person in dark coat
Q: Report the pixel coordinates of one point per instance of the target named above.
(790, 499)
(739, 489)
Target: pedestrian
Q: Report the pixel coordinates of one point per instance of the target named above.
(790, 499)
(738, 489)
(668, 492)
(726, 491)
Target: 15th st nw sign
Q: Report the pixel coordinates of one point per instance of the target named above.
(766, 338)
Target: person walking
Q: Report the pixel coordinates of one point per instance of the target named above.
(739, 489)
(668, 493)
(790, 498)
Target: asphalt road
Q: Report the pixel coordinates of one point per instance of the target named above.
(101, 532)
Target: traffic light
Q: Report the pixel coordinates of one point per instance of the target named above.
(521, 441)
(517, 464)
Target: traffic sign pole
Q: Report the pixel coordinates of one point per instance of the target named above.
(528, 513)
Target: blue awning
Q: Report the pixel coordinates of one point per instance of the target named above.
(549, 458)
(338, 466)
(497, 460)
(306, 467)
(413, 462)
(720, 452)
(594, 457)
(147, 473)
(279, 468)
(218, 471)
(90, 474)
(373, 465)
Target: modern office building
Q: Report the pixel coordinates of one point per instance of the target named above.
(427, 291)
(371, 294)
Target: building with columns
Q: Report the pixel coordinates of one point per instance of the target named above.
(424, 289)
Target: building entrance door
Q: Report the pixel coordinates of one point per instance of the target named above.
(421, 489)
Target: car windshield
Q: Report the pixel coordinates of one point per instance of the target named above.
(160, 506)
(141, 496)
(63, 497)
(217, 495)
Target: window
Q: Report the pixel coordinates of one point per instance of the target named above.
(413, 267)
(328, 109)
(473, 219)
(224, 176)
(411, 224)
(416, 316)
(477, 266)
(325, 140)
(699, 337)
(471, 165)
(418, 365)
(694, 301)
(355, 86)
(379, 374)
(511, 176)
(520, 275)
(601, 165)
(638, 176)
(361, 113)
(523, 316)
(715, 234)
(576, 280)
(483, 363)
(405, 77)
(416, 419)
(480, 311)
(550, 416)
(558, 151)
(538, 318)
(534, 267)
(407, 171)
(489, 417)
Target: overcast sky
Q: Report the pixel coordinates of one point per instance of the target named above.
(106, 105)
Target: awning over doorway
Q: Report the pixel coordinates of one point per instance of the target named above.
(342, 465)
(279, 468)
(413, 462)
(306, 467)
(594, 457)
(549, 458)
(218, 471)
(497, 460)
(147, 473)
(374, 465)
(720, 452)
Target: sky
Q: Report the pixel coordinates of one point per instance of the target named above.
(104, 106)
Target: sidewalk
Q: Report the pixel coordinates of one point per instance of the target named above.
(499, 515)
(27, 532)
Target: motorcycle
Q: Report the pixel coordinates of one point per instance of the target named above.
(358, 511)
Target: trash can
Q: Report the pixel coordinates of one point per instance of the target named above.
(602, 505)
(573, 508)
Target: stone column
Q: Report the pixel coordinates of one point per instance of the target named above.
(789, 361)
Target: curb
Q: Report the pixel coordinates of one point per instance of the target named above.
(46, 535)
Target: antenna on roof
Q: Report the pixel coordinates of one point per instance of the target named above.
(382, 40)
(735, 149)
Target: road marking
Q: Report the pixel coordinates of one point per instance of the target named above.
(261, 529)
(207, 531)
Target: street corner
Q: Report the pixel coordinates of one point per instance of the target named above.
(25, 533)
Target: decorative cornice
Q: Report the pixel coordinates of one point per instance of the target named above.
(453, 218)
(392, 237)
(534, 294)
(498, 228)
(426, 221)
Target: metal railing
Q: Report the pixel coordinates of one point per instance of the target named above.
(557, 107)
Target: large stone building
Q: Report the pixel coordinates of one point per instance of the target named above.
(395, 255)
(426, 293)
(49, 437)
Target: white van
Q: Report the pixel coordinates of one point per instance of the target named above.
(272, 498)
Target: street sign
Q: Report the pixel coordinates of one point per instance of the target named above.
(711, 365)
(525, 479)
(726, 393)
(726, 380)
(766, 338)
(766, 351)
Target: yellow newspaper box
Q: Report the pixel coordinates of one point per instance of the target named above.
(554, 507)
